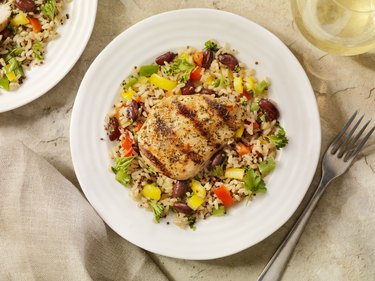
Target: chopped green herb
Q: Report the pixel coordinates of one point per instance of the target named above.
(36, 49)
(220, 211)
(244, 102)
(262, 118)
(13, 53)
(121, 168)
(279, 139)
(267, 166)
(211, 45)
(237, 68)
(191, 222)
(148, 70)
(49, 9)
(261, 87)
(14, 66)
(179, 66)
(254, 183)
(157, 209)
(218, 171)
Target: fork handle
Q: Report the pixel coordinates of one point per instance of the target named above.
(276, 266)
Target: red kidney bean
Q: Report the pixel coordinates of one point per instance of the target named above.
(228, 60)
(208, 57)
(180, 188)
(269, 108)
(113, 129)
(217, 159)
(167, 57)
(188, 89)
(132, 110)
(26, 5)
(205, 91)
(182, 207)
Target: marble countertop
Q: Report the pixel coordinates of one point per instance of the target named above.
(338, 242)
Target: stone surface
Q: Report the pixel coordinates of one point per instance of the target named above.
(338, 242)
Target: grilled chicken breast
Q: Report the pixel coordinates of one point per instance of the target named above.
(182, 133)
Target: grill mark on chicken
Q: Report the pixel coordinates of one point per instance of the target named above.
(165, 131)
(155, 161)
(190, 114)
(222, 112)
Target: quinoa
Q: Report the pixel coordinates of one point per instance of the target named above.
(248, 157)
(23, 43)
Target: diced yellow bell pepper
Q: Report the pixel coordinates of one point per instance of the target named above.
(11, 75)
(209, 80)
(198, 189)
(184, 56)
(151, 191)
(128, 95)
(162, 82)
(194, 202)
(19, 19)
(234, 173)
(237, 84)
(240, 131)
(249, 83)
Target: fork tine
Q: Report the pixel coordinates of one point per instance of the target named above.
(348, 137)
(334, 142)
(351, 156)
(351, 144)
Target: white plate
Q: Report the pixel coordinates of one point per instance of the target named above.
(61, 56)
(244, 225)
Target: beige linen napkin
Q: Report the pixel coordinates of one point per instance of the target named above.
(48, 231)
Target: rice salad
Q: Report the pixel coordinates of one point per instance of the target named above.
(26, 27)
(234, 173)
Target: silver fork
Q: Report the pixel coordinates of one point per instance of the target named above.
(336, 161)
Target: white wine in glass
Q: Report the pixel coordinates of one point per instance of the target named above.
(342, 27)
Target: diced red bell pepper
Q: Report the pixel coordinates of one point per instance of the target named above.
(224, 195)
(198, 58)
(246, 95)
(35, 23)
(195, 75)
(127, 145)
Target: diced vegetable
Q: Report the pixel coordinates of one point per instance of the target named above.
(267, 166)
(148, 70)
(151, 191)
(195, 75)
(234, 173)
(217, 82)
(249, 84)
(279, 139)
(128, 95)
(19, 19)
(198, 189)
(253, 183)
(261, 87)
(194, 201)
(180, 66)
(35, 23)
(127, 145)
(162, 82)
(237, 84)
(15, 52)
(157, 209)
(4, 83)
(254, 106)
(139, 126)
(36, 49)
(240, 131)
(131, 81)
(224, 195)
(243, 149)
(121, 168)
(198, 58)
(220, 211)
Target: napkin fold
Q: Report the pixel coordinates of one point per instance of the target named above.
(48, 231)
